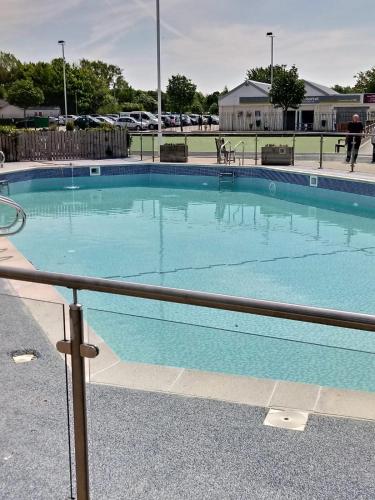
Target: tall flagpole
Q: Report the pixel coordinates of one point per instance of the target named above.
(158, 65)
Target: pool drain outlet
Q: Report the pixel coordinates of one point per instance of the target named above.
(287, 419)
(24, 356)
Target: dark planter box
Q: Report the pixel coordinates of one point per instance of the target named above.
(277, 155)
(174, 152)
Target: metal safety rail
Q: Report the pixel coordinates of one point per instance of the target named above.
(79, 350)
(242, 157)
(19, 220)
(2, 158)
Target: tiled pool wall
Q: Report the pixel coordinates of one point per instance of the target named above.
(274, 182)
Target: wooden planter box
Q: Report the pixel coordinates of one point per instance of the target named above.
(277, 155)
(174, 152)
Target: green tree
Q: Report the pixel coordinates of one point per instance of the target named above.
(22, 93)
(288, 91)
(146, 100)
(214, 109)
(365, 81)
(10, 68)
(180, 92)
(343, 89)
(263, 74)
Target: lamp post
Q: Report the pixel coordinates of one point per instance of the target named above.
(62, 43)
(158, 64)
(271, 36)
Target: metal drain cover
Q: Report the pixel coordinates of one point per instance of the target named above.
(23, 358)
(287, 419)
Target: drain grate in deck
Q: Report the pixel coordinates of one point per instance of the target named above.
(287, 419)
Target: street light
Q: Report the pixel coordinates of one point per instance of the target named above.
(158, 66)
(62, 43)
(272, 36)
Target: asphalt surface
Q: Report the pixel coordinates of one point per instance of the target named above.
(154, 446)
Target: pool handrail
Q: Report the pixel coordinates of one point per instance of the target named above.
(78, 349)
(20, 217)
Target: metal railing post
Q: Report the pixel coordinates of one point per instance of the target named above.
(352, 155)
(321, 152)
(141, 145)
(79, 402)
(153, 147)
(256, 149)
(294, 148)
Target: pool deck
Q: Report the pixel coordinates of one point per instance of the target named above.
(108, 369)
(364, 170)
(148, 445)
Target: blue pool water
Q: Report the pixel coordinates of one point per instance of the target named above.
(273, 242)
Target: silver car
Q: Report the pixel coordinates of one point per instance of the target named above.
(130, 123)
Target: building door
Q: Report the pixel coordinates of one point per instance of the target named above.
(307, 120)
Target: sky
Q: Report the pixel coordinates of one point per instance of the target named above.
(213, 42)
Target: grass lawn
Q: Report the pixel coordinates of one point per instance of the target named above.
(207, 144)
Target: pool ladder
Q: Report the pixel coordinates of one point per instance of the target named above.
(19, 220)
(226, 179)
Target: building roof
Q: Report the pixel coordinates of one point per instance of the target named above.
(252, 91)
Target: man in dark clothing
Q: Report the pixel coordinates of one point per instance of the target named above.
(209, 121)
(354, 127)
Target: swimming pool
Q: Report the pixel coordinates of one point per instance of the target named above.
(255, 237)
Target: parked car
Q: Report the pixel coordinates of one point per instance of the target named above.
(130, 123)
(144, 116)
(194, 119)
(105, 120)
(61, 119)
(215, 119)
(87, 121)
(185, 120)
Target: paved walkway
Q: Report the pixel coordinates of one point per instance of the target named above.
(147, 445)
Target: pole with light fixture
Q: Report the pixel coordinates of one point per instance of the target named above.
(62, 43)
(271, 36)
(158, 67)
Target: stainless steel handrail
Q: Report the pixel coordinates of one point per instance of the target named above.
(243, 152)
(332, 317)
(2, 158)
(226, 153)
(19, 218)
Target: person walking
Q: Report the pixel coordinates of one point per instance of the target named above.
(354, 127)
(200, 122)
(209, 121)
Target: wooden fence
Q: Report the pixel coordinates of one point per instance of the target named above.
(61, 145)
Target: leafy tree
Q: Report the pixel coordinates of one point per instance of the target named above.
(288, 91)
(199, 103)
(22, 93)
(343, 90)
(109, 105)
(263, 74)
(122, 91)
(212, 99)
(131, 106)
(181, 92)
(146, 100)
(365, 81)
(224, 91)
(10, 68)
(214, 109)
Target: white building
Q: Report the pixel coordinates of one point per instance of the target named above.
(10, 111)
(248, 107)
